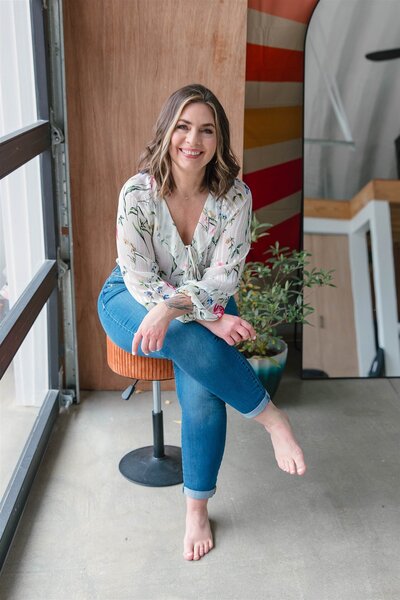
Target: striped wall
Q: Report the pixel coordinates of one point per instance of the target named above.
(272, 163)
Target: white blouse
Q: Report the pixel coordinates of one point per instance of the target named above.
(156, 264)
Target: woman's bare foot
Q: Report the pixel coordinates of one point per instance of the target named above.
(288, 453)
(198, 537)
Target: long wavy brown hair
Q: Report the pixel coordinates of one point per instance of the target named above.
(155, 160)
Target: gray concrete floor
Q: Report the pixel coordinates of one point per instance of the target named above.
(87, 533)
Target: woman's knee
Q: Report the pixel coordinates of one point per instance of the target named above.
(190, 341)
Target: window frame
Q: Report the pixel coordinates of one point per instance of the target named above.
(52, 283)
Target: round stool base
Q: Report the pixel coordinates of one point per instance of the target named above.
(141, 467)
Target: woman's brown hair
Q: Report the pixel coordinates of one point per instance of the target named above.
(155, 160)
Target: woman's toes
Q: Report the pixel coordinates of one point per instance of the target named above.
(201, 550)
(292, 467)
(301, 470)
(188, 555)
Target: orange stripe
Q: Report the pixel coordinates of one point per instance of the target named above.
(296, 10)
(264, 126)
(264, 63)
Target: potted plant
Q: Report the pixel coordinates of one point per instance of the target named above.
(271, 293)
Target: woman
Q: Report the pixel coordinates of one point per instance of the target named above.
(183, 233)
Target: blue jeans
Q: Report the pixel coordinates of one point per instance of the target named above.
(208, 374)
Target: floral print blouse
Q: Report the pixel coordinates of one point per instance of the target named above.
(156, 264)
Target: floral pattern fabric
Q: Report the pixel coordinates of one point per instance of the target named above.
(156, 264)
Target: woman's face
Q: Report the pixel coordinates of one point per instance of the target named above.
(194, 140)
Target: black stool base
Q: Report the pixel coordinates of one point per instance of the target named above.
(141, 467)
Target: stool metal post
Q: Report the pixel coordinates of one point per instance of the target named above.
(157, 465)
(158, 425)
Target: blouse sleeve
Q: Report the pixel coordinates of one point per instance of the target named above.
(135, 250)
(221, 279)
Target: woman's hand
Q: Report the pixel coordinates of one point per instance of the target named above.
(230, 328)
(154, 326)
(152, 329)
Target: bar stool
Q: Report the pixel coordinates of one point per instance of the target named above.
(157, 465)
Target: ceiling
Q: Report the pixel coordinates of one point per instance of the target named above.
(352, 105)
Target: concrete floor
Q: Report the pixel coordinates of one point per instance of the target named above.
(87, 533)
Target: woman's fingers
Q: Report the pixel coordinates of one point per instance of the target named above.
(155, 344)
(149, 343)
(249, 327)
(244, 333)
(136, 341)
(236, 337)
(142, 340)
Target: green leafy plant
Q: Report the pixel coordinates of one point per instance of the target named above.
(272, 293)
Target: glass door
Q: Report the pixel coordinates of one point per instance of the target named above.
(37, 336)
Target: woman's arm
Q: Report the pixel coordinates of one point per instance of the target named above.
(221, 279)
(152, 329)
(136, 256)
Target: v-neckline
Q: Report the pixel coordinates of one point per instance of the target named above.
(197, 225)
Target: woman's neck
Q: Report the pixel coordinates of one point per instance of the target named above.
(188, 184)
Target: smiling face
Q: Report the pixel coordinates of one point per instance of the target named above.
(194, 139)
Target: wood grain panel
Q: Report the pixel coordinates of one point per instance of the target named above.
(327, 209)
(376, 189)
(123, 59)
(329, 344)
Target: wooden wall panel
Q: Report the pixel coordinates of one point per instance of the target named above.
(123, 58)
(329, 342)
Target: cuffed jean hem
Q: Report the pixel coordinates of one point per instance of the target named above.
(258, 409)
(198, 495)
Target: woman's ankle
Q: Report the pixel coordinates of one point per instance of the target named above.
(270, 416)
(193, 505)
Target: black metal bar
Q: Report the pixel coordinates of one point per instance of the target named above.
(22, 315)
(15, 496)
(158, 435)
(21, 146)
